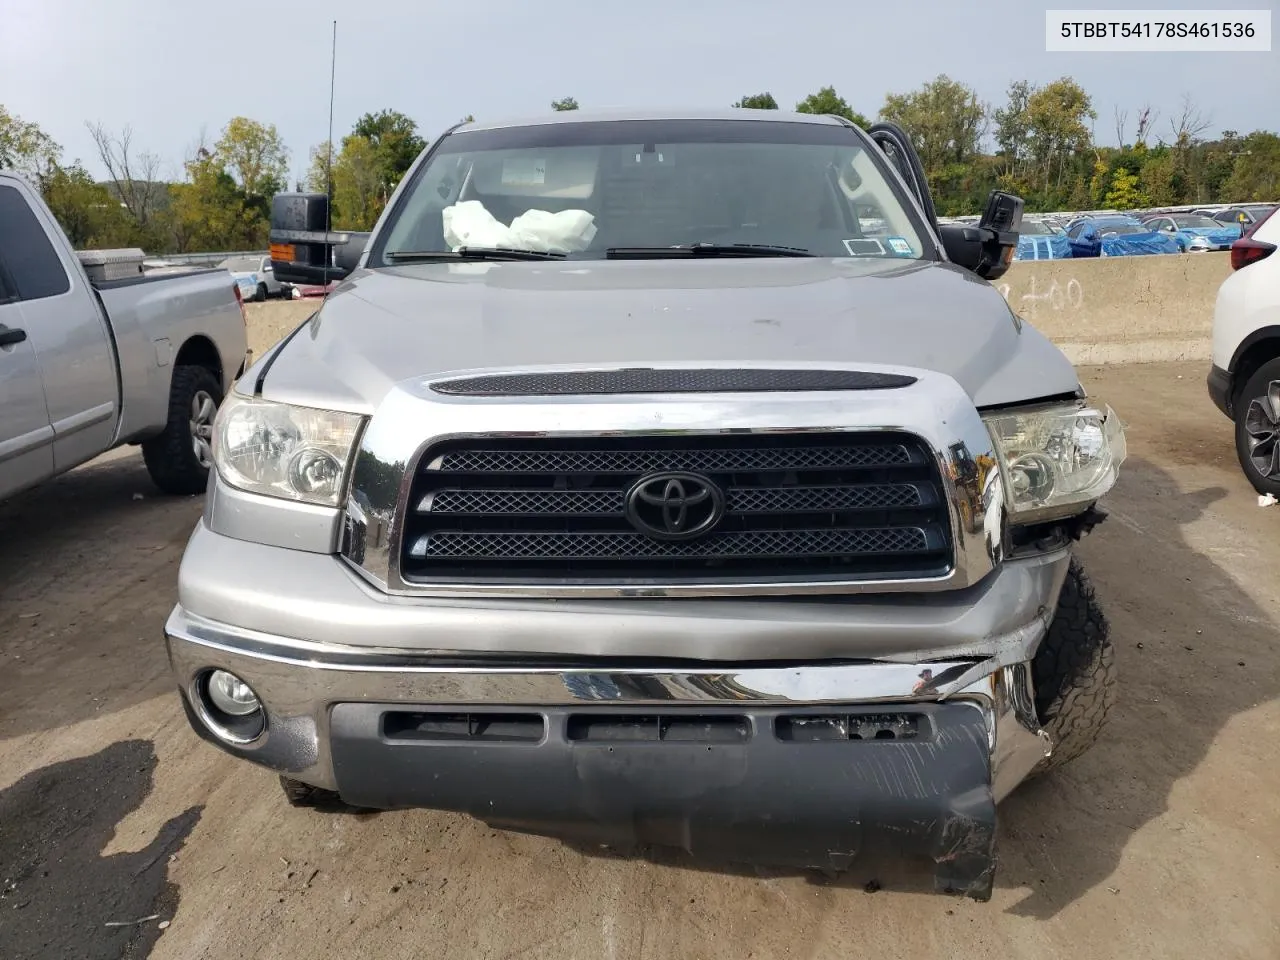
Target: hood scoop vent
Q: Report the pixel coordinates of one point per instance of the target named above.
(667, 380)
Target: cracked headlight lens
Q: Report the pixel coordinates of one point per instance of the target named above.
(1056, 459)
(282, 450)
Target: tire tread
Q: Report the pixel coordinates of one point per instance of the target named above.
(1075, 671)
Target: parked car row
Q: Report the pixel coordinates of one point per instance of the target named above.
(1122, 235)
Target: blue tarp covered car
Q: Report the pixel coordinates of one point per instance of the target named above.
(1116, 236)
(1040, 240)
(1195, 231)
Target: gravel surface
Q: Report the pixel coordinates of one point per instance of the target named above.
(1161, 842)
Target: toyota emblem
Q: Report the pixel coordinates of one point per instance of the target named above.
(674, 506)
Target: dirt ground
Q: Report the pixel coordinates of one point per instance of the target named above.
(1162, 842)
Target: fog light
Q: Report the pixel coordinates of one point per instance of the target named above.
(232, 695)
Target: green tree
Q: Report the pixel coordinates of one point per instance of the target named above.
(564, 103)
(316, 169)
(944, 118)
(827, 101)
(209, 211)
(26, 148)
(359, 190)
(1058, 116)
(1013, 125)
(1124, 193)
(1255, 175)
(395, 140)
(758, 101)
(1158, 180)
(89, 215)
(254, 155)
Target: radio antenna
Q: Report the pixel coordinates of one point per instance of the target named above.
(328, 164)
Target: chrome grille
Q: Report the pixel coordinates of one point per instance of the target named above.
(811, 506)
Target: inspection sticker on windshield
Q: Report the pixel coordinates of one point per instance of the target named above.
(523, 171)
(864, 247)
(900, 245)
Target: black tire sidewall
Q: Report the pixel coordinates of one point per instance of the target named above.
(263, 293)
(1255, 386)
(170, 458)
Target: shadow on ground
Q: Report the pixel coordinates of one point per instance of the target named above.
(59, 893)
(1194, 650)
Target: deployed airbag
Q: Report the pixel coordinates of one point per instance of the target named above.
(469, 224)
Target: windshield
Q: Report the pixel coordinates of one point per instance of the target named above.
(1120, 227)
(584, 188)
(242, 265)
(1197, 223)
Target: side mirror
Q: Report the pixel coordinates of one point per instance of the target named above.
(302, 250)
(988, 248)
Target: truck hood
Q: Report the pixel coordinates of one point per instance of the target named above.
(380, 327)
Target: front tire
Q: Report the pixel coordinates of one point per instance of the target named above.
(179, 459)
(1074, 671)
(1258, 428)
(262, 293)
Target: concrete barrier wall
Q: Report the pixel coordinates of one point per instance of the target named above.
(1121, 309)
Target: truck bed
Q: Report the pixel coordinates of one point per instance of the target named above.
(153, 319)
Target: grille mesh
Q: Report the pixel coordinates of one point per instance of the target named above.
(573, 546)
(796, 506)
(700, 461)
(612, 502)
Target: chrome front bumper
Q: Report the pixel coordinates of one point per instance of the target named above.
(299, 684)
(331, 659)
(307, 633)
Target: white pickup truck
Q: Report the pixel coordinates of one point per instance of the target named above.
(85, 366)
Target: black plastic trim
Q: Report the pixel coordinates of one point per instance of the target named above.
(714, 790)
(660, 380)
(1219, 382)
(1252, 340)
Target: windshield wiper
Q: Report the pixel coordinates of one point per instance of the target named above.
(471, 253)
(706, 250)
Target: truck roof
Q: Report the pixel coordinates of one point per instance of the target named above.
(597, 116)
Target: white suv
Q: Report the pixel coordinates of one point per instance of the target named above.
(1244, 381)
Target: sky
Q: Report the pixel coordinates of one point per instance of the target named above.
(172, 69)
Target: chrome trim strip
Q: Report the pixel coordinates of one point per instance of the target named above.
(395, 675)
(935, 409)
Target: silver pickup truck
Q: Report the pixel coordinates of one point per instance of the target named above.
(85, 366)
(638, 486)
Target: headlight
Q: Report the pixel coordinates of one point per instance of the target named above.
(1057, 458)
(279, 450)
